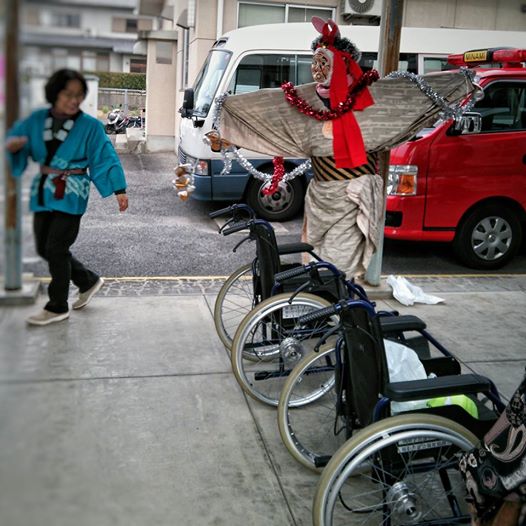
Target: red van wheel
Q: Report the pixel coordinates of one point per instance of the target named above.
(488, 238)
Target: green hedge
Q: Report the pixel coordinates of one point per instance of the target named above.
(120, 80)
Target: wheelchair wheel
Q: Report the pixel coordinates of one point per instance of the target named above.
(399, 471)
(269, 342)
(234, 301)
(307, 419)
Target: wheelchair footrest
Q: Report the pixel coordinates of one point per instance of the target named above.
(435, 387)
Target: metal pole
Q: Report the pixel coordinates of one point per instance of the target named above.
(388, 57)
(13, 218)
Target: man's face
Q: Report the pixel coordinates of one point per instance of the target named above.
(321, 67)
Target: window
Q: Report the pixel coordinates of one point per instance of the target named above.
(431, 64)
(254, 14)
(103, 62)
(407, 62)
(124, 25)
(251, 14)
(144, 24)
(269, 71)
(503, 107)
(89, 61)
(304, 14)
(137, 65)
(208, 80)
(60, 19)
(131, 25)
(163, 52)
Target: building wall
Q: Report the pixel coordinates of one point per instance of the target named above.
(502, 15)
(160, 100)
(461, 14)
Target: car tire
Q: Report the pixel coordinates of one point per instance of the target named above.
(488, 237)
(282, 206)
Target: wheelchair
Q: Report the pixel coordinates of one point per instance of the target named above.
(391, 470)
(270, 341)
(251, 283)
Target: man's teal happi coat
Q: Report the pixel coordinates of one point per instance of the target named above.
(86, 147)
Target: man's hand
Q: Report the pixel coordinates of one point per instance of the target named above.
(122, 199)
(15, 144)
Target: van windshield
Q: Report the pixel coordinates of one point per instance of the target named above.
(208, 80)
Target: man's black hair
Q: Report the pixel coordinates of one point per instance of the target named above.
(58, 81)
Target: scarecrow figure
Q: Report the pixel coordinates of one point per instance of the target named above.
(340, 122)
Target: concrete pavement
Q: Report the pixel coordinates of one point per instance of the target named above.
(128, 413)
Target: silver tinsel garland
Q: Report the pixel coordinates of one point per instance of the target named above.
(448, 111)
(233, 153)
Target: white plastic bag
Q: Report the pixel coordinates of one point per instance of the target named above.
(404, 365)
(409, 294)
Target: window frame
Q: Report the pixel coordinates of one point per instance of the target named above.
(496, 83)
(286, 6)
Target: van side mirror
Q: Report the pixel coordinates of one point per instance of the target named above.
(187, 109)
(470, 122)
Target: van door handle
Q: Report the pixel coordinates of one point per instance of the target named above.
(524, 160)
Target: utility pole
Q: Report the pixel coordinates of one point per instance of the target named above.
(388, 57)
(13, 254)
(14, 292)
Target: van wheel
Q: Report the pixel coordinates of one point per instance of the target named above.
(488, 237)
(285, 204)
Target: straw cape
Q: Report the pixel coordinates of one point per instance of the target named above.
(264, 122)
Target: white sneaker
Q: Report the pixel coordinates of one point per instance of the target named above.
(85, 297)
(45, 317)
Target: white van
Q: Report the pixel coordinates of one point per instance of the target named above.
(265, 56)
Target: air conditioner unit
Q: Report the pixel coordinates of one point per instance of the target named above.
(362, 8)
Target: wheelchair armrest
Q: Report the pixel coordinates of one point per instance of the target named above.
(435, 387)
(404, 322)
(294, 248)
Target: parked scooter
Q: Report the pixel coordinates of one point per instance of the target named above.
(116, 121)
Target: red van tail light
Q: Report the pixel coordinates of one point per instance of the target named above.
(402, 179)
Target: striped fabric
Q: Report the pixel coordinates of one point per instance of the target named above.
(324, 169)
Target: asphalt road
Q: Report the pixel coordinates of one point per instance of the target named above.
(162, 236)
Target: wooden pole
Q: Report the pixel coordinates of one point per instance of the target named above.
(13, 245)
(388, 57)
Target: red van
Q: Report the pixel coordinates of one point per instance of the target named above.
(467, 184)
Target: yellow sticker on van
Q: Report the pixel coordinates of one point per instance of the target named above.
(476, 56)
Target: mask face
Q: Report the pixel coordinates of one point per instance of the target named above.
(321, 67)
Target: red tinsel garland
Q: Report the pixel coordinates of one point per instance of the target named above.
(279, 172)
(304, 107)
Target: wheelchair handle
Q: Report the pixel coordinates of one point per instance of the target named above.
(336, 309)
(221, 212)
(292, 273)
(232, 209)
(320, 313)
(235, 228)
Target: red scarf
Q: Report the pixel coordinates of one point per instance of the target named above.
(347, 141)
